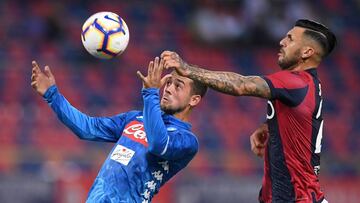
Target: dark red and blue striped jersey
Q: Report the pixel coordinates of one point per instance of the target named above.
(292, 157)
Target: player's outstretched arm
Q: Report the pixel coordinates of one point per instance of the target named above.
(225, 82)
(154, 125)
(84, 126)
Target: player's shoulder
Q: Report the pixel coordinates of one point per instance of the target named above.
(135, 113)
(290, 79)
(185, 135)
(191, 137)
(180, 130)
(191, 142)
(288, 74)
(132, 115)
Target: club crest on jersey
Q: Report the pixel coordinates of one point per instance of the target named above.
(135, 131)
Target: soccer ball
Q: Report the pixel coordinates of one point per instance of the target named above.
(105, 35)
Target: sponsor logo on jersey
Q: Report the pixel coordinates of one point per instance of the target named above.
(135, 131)
(122, 154)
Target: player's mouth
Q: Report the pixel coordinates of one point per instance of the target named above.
(281, 52)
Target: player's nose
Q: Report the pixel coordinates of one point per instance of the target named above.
(169, 89)
(282, 43)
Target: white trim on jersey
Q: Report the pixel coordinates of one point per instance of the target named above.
(166, 146)
(319, 137)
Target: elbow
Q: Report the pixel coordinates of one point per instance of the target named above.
(158, 148)
(81, 136)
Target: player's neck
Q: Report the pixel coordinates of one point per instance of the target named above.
(183, 115)
(305, 65)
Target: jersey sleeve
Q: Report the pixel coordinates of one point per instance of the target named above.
(159, 139)
(288, 87)
(181, 144)
(106, 129)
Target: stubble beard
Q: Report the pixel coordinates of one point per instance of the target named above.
(288, 63)
(172, 111)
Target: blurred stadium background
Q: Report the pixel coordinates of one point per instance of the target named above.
(42, 161)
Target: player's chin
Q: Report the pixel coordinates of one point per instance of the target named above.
(280, 58)
(164, 105)
(167, 109)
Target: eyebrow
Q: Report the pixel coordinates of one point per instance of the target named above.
(180, 81)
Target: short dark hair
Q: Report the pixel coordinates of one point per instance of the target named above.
(198, 88)
(320, 33)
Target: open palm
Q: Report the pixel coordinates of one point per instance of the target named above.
(41, 80)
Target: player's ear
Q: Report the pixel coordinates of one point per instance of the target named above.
(194, 100)
(307, 52)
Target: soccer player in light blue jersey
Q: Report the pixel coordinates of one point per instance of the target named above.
(151, 145)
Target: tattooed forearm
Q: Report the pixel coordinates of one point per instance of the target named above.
(230, 83)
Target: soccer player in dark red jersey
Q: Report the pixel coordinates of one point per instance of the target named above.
(290, 140)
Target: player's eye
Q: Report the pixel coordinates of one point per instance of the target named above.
(290, 37)
(178, 86)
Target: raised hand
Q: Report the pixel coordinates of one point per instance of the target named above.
(41, 81)
(259, 139)
(153, 79)
(173, 60)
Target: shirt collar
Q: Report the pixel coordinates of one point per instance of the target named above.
(170, 119)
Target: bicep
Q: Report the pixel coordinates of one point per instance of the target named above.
(254, 86)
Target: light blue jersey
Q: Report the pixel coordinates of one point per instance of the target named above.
(151, 147)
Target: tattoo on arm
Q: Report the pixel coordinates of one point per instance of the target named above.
(230, 83)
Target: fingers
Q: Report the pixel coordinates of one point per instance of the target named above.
(258, 151)
(252, 143)
(165, 53)
(259, 140)
(48, 72)
(155, 70)
(258, 143)
(140, 75)
(169, 59)
(156, 62)
(36, 68)
(34, 73)
(156, 67)
(168, 62)
(260, 136)
(161, 65)
(33, 76)
(256, 138)
(150, 67)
